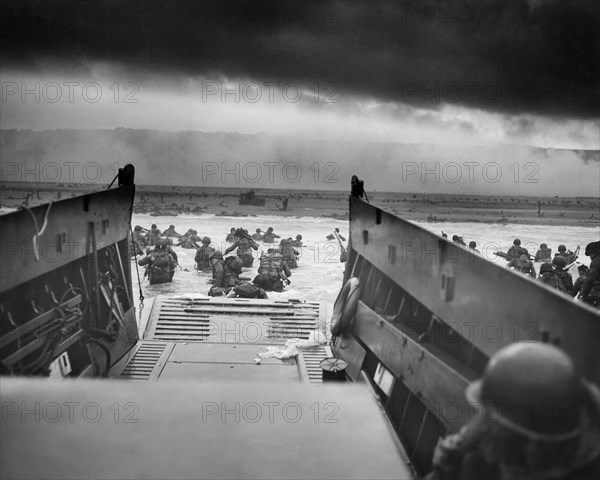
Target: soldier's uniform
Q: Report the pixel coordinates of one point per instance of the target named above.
(160, 265)
(270, 236)
(273, 271)
(590, 290)
(544, 423)
(244, 251)
(203, 255)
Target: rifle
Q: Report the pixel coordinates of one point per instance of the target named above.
(344, 254)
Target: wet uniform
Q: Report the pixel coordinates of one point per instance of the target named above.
(274, 271)
(244, 251)
(160, 267)
(202, 257)
(543, 255)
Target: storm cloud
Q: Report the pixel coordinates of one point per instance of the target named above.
(513, 57)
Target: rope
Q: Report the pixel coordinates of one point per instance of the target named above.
(113, 181)
(38, 232)
(137, 270)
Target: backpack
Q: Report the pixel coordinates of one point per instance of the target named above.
(161, 261)
(552, 280)
(235, 264)
(270, 264)
(247, 290)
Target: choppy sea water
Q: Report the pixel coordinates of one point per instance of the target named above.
(319, 275)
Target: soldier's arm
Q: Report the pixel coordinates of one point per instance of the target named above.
(145, 261)
(592, 275)
(231, 249)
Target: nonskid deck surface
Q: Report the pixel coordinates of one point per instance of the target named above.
(221, 338)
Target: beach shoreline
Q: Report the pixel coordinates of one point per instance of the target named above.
(163, 202)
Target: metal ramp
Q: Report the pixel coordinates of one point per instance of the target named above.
(232, 320)
(148, 361)
(221, 338)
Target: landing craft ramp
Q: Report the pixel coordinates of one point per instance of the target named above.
(189, 401)
(221, 338)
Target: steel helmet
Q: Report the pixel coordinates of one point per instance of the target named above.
(206, 240)
(216, 254)
(562, 248)
(546, 267)
(533, 389)
(543, 246)
(299, 237)
(516, 241)
(559, 261)
(591, 248)
(161, 243)
(137, 228)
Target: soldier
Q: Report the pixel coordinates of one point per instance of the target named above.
(523, 265)
(170, 232)
(548, 277)
(138, 240)
(565, 277)
(244, 244)
(297, 242)
(331, 236)
(473, 246)
(153, 235)
(273, 271)
(569, 256)
(160, 265)
(516, 251)
(270, 236)
(248, 290)
(225, 273)
(536, 419)
(582, 270)
(590, 290)
(203, 255)
(544, 254)
(289, 253)
(258, 235)
(231, 236)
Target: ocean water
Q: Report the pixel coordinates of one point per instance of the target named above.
(319, 274)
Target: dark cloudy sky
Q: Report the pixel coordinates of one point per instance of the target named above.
(452, 72)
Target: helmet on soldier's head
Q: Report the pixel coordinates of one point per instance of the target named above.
(232, 230)
(299, 237)
(592, 248)
(546, 267)
(472, 244)
(516, 241)
(153, 225)
(161, 244)
(543, 246)
(562, 248)
(270, 229)
(216, 254)
(559, 261)
(582, 268)
(533, 389)
(261, 281)
(137, 228)
(206, 240)
(171, 226)
(258, 230)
